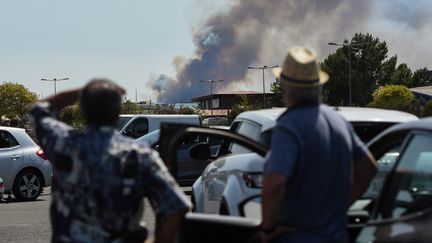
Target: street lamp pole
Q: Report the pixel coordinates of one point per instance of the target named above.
(263, 80)
(349, 64)
(55, 82)
(211, 81)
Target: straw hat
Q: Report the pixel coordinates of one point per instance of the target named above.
(301, 69)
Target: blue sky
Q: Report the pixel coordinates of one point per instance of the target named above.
(126, 41)
(133, 41)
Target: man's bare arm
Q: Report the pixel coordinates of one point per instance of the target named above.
(272, 196)
(364, 171)
(63, 99)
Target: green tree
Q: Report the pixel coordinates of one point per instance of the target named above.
(368, 69)
(421, 77)
(72, 115)
(244, 105)
(276, 100)
(427, 110)
(129, 107)
(402, 76)
(396, 97)
(15, 100)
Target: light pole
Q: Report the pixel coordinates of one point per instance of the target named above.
(349, 63)
(263, 68)
(55, 82)
(211, 81)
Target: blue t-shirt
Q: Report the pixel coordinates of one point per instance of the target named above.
(314, 147)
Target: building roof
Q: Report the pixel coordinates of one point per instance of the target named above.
(425, 90)
(204, 97)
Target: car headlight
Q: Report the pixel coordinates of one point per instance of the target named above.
(253, 179)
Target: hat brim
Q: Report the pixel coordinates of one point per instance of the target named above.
(323, 77)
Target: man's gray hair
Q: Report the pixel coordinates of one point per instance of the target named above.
(304, 95)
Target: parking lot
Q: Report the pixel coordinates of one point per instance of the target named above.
(29, 221)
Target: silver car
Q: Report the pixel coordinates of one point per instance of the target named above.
(227, 181)
(23, 165)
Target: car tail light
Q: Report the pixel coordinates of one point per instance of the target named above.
(41, 154)
(2, 187)
(254, 179)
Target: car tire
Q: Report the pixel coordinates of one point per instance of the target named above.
(223, 209)
(28, 185)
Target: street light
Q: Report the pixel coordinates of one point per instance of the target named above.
(349, 62)
(263, 68)
(55, 82)
(211, 81)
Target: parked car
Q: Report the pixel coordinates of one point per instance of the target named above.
(400, 211)
(191, 168)
(135, 126)
(215, 121)
(23, 165)
(2, 187)
(241, 174)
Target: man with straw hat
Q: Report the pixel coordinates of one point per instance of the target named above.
(317, 166)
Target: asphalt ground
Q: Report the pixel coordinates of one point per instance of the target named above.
(29, 221)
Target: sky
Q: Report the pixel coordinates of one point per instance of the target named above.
(159, 50)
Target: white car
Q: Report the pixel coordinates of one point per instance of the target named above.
(229, 180)
(23, 165)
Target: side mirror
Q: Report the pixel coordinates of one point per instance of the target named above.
(200, 151)
(251, 207)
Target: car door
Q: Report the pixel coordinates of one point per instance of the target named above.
(204, 227)
(404, 208)
(10, 157)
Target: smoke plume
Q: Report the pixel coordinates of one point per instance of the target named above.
(257, 32)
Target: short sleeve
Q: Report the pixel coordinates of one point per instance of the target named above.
(164, 194)
(48, 130)
(284, 151)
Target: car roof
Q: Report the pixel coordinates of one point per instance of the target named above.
(367, 114)
(267, 117)
(157, 115)
(21, 135)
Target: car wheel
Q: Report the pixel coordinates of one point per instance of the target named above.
(223, 209)
(27, 185)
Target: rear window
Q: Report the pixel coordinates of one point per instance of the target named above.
(368, 130)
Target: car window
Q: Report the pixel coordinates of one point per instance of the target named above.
(122, 122)
(411, 189)
(265, 138)
(385, 164)
(248, 129)
(368, 130)
(137, 128)
(7, 140)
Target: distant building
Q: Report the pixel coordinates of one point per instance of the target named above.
(223, 102)
(423, 93)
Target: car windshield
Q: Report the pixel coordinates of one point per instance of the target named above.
(150, 138)
(122, 122)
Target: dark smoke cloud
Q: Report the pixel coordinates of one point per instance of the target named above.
(253, 32)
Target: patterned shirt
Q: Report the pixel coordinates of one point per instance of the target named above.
(100, 179)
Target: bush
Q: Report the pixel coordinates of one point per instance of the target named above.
(395, 97)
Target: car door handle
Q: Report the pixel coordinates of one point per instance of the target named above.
(15, 156)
